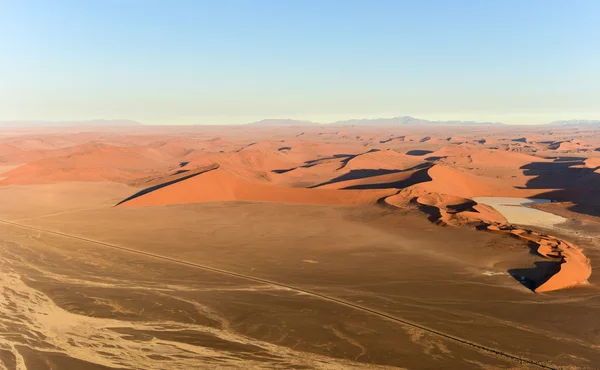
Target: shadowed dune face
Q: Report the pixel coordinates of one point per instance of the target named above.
(569, 181)
(418, 152)
(219, 185)
(162, 182)
(340, 211)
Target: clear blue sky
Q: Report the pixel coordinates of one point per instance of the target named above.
(226, 61)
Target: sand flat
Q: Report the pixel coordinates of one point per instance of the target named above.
(366, 266)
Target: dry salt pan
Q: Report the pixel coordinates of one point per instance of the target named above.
(516, 212)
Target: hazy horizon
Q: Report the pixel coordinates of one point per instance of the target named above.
(235, 62)
(257, 119)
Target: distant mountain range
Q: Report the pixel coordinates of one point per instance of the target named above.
(98, 122)
(576, 122)
(395, 121)
(407, 120)
(282, 122)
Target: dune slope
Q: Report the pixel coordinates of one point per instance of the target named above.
(219, 185)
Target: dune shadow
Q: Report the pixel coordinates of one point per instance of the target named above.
(167, 183)
(534, 277)
(283, 171)
(348, 159)
(358, 174)
(392, 138)
(314, 162)
(463, 207)
(533, 248)
(433, 213)
(335, 156)
(559, 174)
(366, 173)
(570, 159)
(579, 185)
(245, 147)
(417, 177)
(435, 158)
(417, 152)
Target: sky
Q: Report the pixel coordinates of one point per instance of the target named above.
(238, 61)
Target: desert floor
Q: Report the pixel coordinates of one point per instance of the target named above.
(254, 266)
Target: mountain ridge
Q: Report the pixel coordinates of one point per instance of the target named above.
(575, 122)
(394, 121)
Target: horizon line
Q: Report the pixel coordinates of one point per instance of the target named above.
(134, 122)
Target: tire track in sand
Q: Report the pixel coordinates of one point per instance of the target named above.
(342, 302)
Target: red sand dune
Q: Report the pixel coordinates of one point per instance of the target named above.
(219, 185)
(468, 155)
(457, 211)
(445, 198)
(309, 175)
(91, 162)
(456, 139)
(565, 146)
(253, 165)
(383, 159)
(432, 140)
(390, 180)
(575, 267)
(457, 182)
(178, 148)
(10, 154)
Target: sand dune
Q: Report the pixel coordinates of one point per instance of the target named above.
(461, 183)
(446, 199)
(220, 185)
(91, 162)
(10, 154)
(371, 179)
(565, 146)
(253, 165)
(466, 155)
(573, 266)
(308, 174)
(458, 211)
(382, 159)
(428, 169)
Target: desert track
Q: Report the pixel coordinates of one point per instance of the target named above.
(357, 307)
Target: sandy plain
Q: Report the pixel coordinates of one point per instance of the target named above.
(296, 247)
